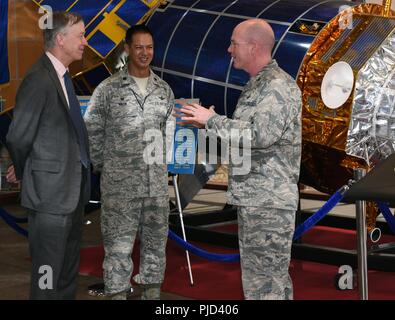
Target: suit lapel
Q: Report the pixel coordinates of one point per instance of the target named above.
(54, 76)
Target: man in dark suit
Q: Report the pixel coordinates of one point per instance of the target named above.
(49, 148)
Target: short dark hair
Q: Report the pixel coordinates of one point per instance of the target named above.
(138, 28)
(60, 20)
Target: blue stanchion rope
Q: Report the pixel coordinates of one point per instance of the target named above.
(307, 225)
(322, 212)
(13, 222)
(202, 253)
(387, 215)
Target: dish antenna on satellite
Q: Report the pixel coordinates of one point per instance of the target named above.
(337, 85)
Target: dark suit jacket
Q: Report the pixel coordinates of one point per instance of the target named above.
(43, 144)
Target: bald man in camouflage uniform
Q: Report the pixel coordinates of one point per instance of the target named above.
(134, 193)
(267, 196)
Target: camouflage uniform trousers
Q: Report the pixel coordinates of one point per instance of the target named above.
(265, 240)
(121, 218)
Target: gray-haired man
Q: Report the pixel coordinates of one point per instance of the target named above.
(49, 148)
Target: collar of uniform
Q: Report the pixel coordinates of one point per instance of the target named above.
(262, 75)
(127, 79)
(266, 69)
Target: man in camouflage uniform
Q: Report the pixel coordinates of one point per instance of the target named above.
(267, 196)
(134, 191)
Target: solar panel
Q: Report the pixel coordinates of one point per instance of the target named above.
(106, 21)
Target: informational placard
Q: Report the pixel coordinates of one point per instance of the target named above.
(184, 145)
(83, 100)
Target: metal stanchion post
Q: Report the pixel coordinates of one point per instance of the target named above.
(360, 207)
(175, 183)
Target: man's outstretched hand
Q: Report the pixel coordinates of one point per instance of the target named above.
(195, 114)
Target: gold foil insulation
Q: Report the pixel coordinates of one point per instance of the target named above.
(362, 37)
(325, 131)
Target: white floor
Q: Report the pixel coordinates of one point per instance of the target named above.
(210, 200)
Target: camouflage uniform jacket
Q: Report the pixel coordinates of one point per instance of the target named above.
(117, 118)
(270, 107)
